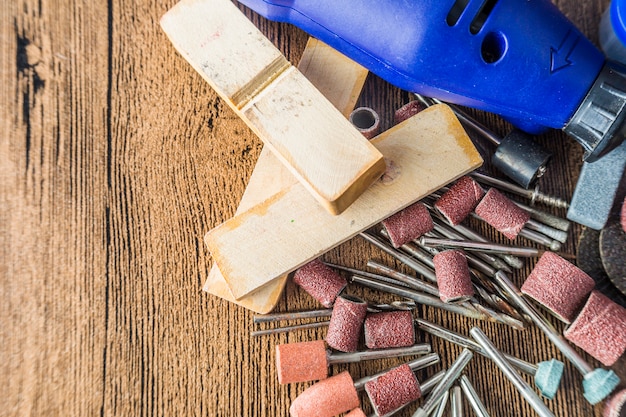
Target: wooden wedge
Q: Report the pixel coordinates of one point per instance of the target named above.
(341, 80)
(329, 157)
(288, 230)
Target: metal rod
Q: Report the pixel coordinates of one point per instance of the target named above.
(371, 354)
(480, 246)
(532, 195)
(441, 408)
(407, 279)
(466, 342)
(496, 356)
(472, 397)
(405, 259)
(294, 315)
(555, 234)
(444, 385)
(288, 328)
(546, 218)
(421, 298)
(456, 405)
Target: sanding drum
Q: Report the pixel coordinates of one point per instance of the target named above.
(389, 329)
(502, 213)
(453, 276)
(320, 281)
(460, 200)
(558, 285)
(600, 329)
(346, 323)
(408, 224)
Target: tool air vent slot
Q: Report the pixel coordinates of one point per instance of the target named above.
(456, 11)
(482, 15)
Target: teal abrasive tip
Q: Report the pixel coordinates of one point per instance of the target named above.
(598, 384)
(548, 377)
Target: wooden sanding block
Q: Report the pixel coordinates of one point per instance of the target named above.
(328, 156)
(340, 80)
(289, 229)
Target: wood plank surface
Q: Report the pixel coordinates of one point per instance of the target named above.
(423, 153)
(116, 158)
(329, 157)
(341, 81)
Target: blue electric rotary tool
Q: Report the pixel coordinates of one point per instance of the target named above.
(520, 59)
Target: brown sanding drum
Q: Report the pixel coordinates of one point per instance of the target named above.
(389, 329)
(393, 389)
(321, 281)
(329, 397)
(453, 276)
(502, 213)
(558, 285)
(460, 200)
(408, 224)
(345, 324)
(600, 329)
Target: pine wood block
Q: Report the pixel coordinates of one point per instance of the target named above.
(329, 157)
(288, 230)
(340, 80)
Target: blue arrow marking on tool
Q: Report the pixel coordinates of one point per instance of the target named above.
(559, 57)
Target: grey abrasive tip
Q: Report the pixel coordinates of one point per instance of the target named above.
(596, 189)
(598, 384)
(548, 377)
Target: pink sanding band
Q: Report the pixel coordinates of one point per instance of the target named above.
(393, 390)
(300, 362)
(389, 329)
(558, 285)
(623, 215)
(459, 201)
(616, 405)
(346, 321)
(409, 109)
(600, 329)
(357, 412)
(321, 281)
(329, 397)
(502, 213)
(453, 276)
(408, 224)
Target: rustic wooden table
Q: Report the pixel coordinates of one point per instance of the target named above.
(116, 159)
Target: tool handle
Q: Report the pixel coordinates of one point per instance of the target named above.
(522, 59)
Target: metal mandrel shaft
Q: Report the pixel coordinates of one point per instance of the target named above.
(456, 403)
(405, 259)
(466, 342)
(480, 246)
(498, 358)
(533, 195)
(432, 301)
(472, 397)
(451, 375)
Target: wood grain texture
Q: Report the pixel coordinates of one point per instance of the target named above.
(116, 158)
(423, 154)
(303, 129)
(341, 81)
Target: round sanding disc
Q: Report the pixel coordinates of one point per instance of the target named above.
(613, 253)
(588, 259)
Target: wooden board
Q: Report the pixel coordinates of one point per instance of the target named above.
(331, 159)
(341, 80)
(289, 229)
